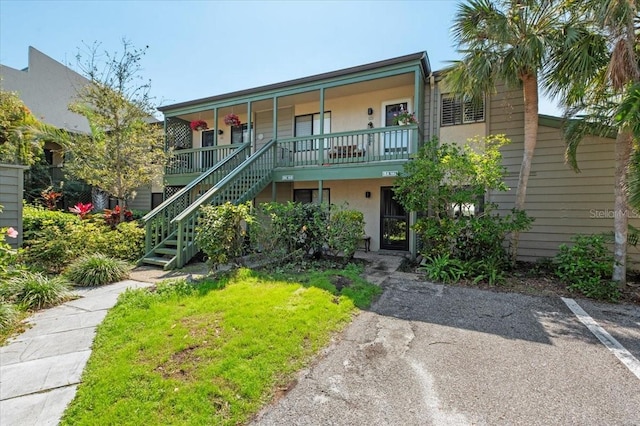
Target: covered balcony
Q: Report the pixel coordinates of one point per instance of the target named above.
(339, 120)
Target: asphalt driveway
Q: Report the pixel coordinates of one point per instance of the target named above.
(429, 354)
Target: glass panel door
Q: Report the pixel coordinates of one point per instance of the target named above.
(395, 141)
(394, 222)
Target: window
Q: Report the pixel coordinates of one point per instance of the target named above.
(308, 125)
(310, 196)
(208, 138)
(240, 134)
(455, 110)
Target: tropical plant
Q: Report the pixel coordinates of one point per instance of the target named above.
(81, 209)
(443, 268)
(507, 41)
(50, 198)
(97, 269)
(596, 68)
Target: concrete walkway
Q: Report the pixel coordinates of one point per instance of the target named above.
(41, 368)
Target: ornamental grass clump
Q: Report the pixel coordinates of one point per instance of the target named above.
(8, 316)
(97, 269)
(34, 290)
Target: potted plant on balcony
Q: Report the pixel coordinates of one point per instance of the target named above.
(198, 125)
(404, 118)
(232, 120)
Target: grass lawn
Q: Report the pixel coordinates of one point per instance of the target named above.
(214, 352)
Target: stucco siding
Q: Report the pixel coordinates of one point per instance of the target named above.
(47, 87)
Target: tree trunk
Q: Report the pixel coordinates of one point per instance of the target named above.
(624, 146)
(122, 209)
(530, 92)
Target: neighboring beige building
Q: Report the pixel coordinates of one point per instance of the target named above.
(47, 87)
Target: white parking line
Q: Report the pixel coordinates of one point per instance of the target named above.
(608, 340)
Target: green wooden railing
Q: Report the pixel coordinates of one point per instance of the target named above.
(197, 160)
(158, 222)
(361, 146)
(242, 184)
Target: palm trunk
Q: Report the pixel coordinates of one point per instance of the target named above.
(624, 146)
(530, 92)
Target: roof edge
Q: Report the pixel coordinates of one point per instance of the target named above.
(421, 56)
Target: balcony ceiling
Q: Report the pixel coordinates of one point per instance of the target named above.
(313, 96)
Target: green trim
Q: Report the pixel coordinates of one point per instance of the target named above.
(421, 59)
(399, 69)
(338, 171)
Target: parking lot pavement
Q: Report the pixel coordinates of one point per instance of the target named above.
(428, 354)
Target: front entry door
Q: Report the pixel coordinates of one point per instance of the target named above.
(394, 223)
(209, 158)
(394, 141)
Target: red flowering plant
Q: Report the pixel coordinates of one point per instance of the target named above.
(112, 217)
(199, 125)
(50, 198)
(81, 209)
(232, 120)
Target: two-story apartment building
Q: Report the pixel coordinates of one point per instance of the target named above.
(332, 137)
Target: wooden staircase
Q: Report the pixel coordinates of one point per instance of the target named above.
(170, 228)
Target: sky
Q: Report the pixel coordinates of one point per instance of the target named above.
(204, 48)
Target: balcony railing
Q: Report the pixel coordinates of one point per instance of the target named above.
(362, 146)
(197, 160)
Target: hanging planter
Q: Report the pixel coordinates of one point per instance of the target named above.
(404, 118)
(198, 125)
(232, 120)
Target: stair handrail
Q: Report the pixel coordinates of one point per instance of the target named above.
(223, 182)
(195, 182)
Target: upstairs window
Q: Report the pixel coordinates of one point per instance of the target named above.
(309, 125)
(457, 110)
(240, 134)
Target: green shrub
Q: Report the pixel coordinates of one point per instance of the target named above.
(472, 239)
(443, 268)
(221, 231)
(586, 266)
(345, 231)
(97, 269)
(294, 227)
(8, 316)
(34, 290)
(55, 243)
(36, 219)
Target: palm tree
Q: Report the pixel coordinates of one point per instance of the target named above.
(506, 41)
(593, 73)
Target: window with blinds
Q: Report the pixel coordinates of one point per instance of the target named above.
(456, 111)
